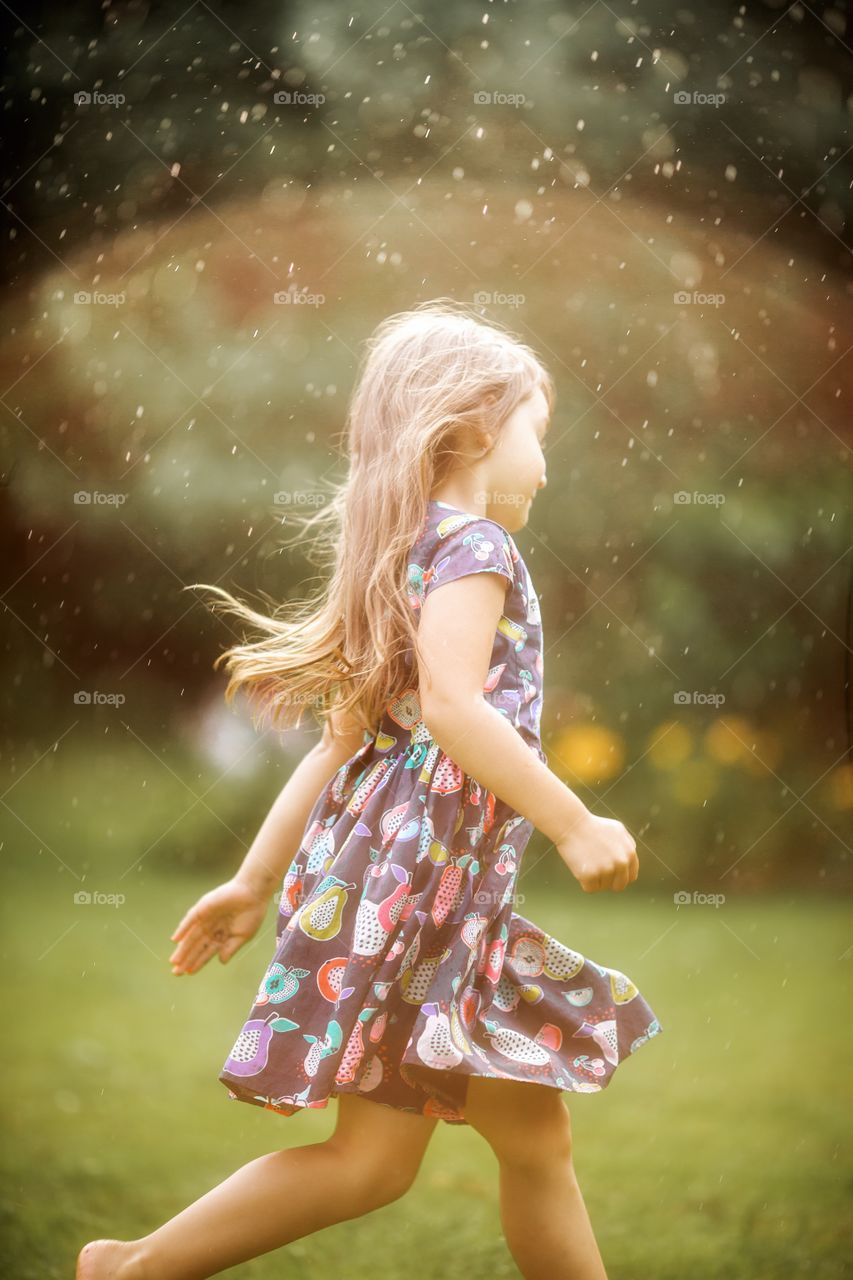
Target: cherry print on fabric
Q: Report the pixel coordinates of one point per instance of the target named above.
(400, 967)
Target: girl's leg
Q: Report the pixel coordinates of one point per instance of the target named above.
(544, 1217)
(371, 1159)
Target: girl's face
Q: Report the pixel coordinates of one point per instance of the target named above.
(514, 469)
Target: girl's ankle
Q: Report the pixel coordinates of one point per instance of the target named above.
(135, 1266)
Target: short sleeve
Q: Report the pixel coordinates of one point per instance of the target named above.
(476, 546)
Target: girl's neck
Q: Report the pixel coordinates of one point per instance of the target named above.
(458, 502)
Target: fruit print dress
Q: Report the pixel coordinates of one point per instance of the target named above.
(400, 967)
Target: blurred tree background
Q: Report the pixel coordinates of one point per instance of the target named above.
(207, 208)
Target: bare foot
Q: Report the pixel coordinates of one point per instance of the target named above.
(108, 1260)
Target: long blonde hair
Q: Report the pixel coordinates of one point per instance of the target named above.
(429, 378)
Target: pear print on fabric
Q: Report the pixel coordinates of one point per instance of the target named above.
(400, 968)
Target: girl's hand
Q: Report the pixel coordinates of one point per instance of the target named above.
(600, 854)
(219, 923)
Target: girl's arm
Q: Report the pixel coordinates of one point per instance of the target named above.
(229, 915)
(456, 634)
(276, 843)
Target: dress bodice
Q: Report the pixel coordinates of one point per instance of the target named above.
(450, 545)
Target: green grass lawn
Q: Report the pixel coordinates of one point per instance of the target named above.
(721, 1150)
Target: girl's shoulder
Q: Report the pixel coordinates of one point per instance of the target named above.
(454, 543)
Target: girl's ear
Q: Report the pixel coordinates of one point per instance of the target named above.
(473, 442)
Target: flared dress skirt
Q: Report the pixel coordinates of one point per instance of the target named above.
(401, 967)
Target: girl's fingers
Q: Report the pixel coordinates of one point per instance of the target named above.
(188, 944)
(177, 955)
(205, 931)
(195, 916)
(210, 943)
(180, 954)
(191, 946)
(183, 926)
(199, 955)
(196, 923)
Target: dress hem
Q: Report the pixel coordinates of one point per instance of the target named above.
(434, 1107)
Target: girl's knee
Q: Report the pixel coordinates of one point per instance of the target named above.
(531, 1148)
(527, 1126)
(392, 1182)
(372, 1177)
(380, 1147)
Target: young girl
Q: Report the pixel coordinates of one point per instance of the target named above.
(402, 981)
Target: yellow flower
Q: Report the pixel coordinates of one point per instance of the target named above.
(669, 745)
(841, 786)
(589, 752)
(733, 740)
(728, 739)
